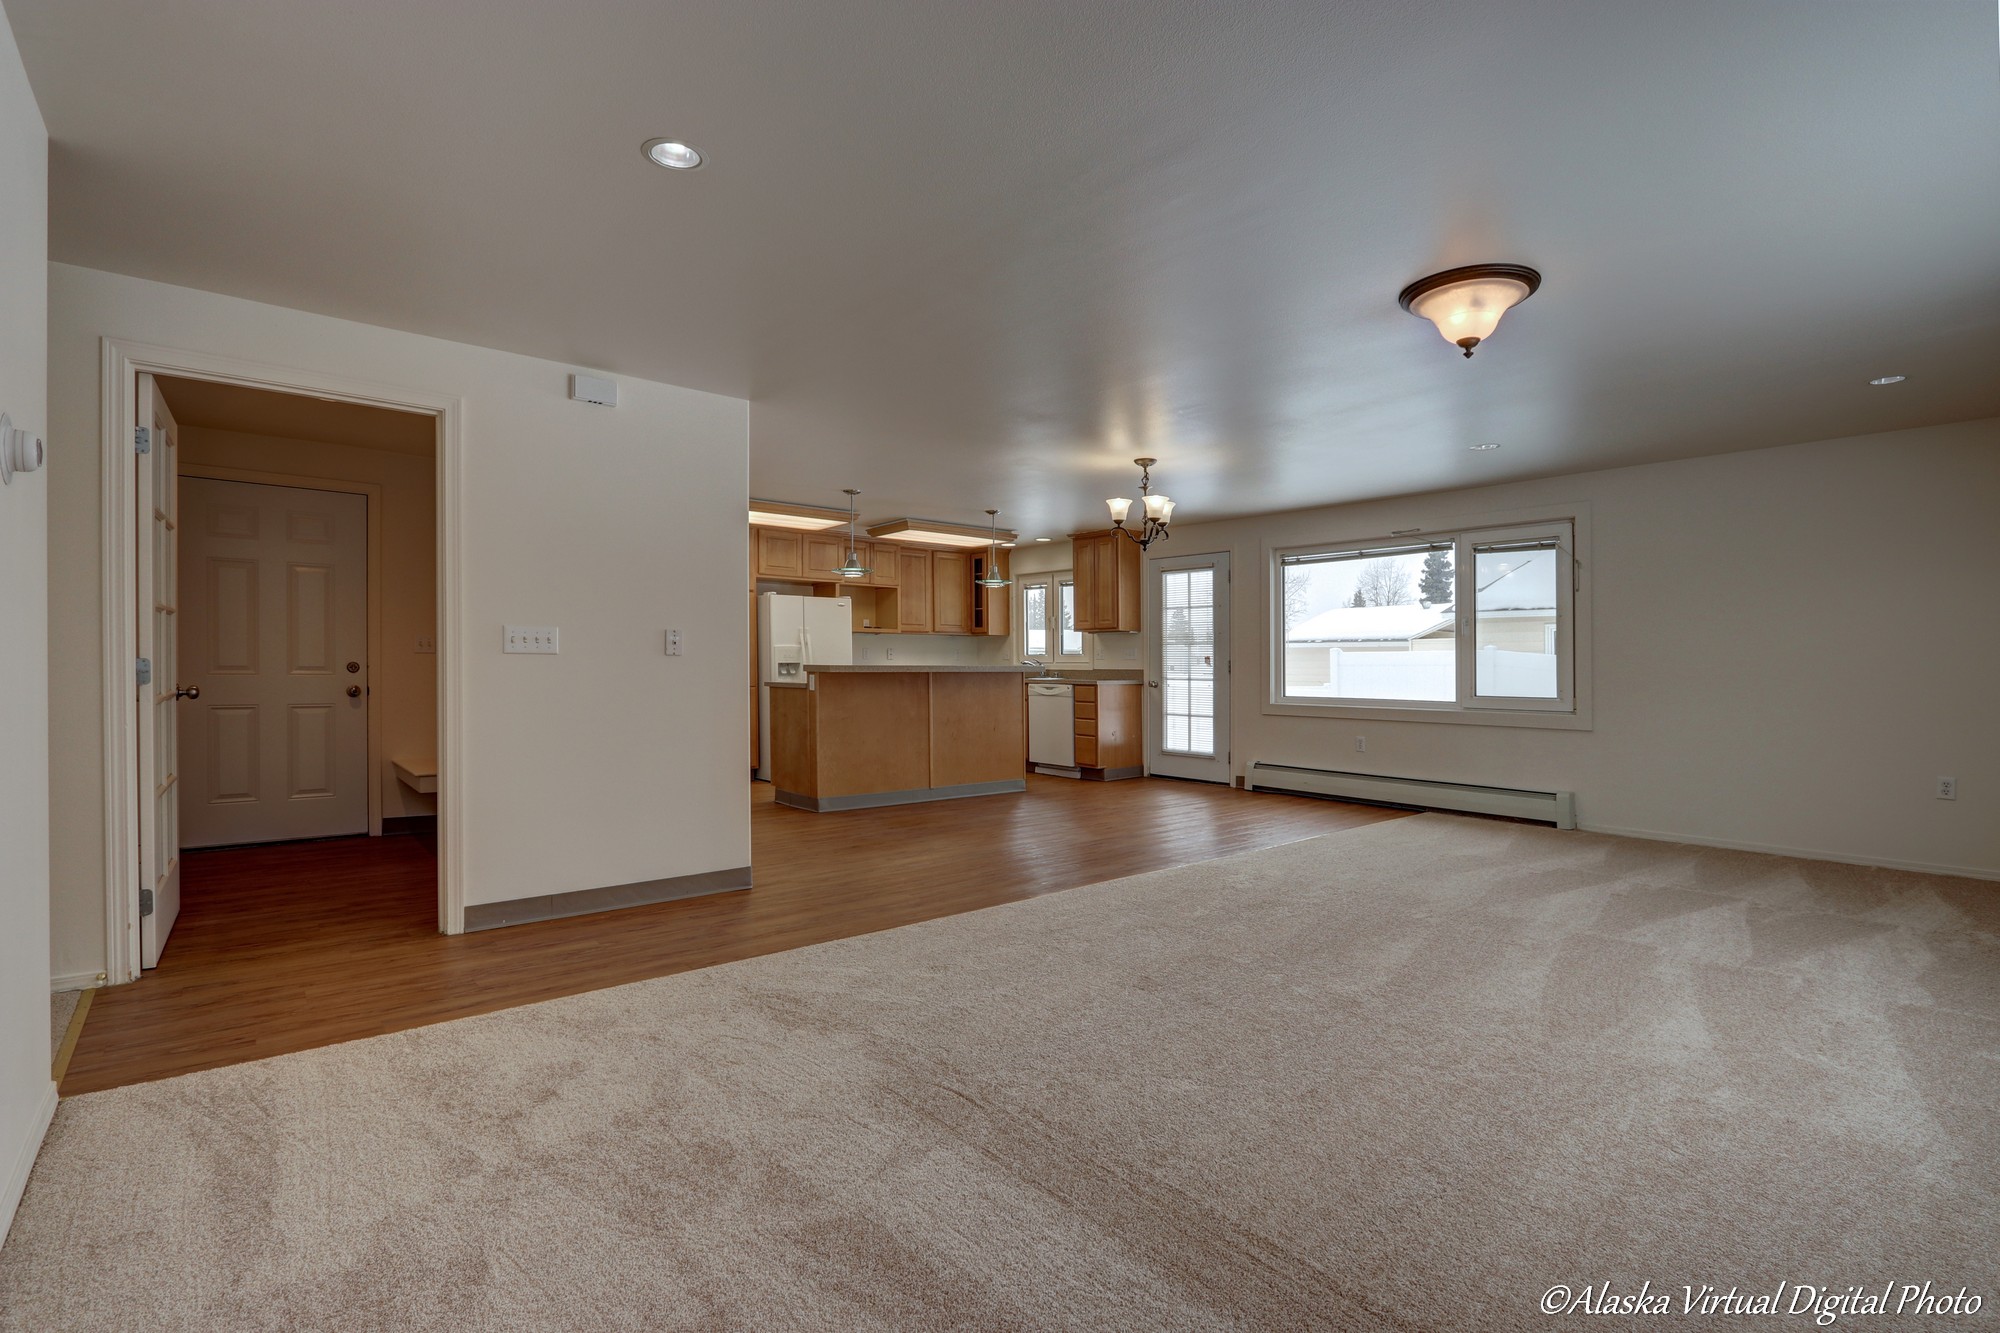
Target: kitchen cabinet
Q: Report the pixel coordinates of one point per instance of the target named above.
(913, 603)
(951, 592)
(992, 608)
(885, 570)
(1108, 738)
(777, 554)
(825, 553)
(1107, 581)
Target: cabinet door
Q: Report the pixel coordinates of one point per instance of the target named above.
(824, 552)
(1084, 549)
(992, 608)
(951, 593)
(887, 569)
(1106, 587)
(780, 554)
(913, 604)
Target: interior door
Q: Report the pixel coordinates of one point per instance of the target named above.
(156, 515)
(1187, 699)
(274, 591)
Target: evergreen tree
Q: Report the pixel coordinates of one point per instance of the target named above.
(1359, 599)
(1435, 583)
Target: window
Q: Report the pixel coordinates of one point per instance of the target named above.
(1048, 619)
(1464, 622)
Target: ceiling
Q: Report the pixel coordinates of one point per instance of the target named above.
(971, 255)
(291, 416)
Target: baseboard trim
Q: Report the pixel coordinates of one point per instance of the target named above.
(24, 1160)
(583, 902)
(821, 805)
(395, 824)
(1801, 853)
(1113, 774)
(76, 981)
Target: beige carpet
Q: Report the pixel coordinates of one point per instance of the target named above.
(1405, 1077)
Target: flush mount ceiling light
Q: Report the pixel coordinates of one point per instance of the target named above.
(672, 154)
(1478, 447)
(852, 568)
(1889, 379)
(1158, 509)
(934, 533)
(806, 518)
(992, 578)
(1466, 303)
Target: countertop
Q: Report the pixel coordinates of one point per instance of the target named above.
(921, 670)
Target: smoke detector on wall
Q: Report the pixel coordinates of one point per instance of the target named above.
(19, 451)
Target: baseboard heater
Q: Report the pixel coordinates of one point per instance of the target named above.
(1549, 807)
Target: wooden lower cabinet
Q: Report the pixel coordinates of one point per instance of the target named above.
(1109, 740)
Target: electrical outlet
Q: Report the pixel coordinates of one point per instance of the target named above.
(1947, 789)
(1361, 745)
(533, 639)
(427, 643)
(889, 654)
(673, 643)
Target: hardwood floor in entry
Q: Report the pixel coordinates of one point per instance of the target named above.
(298, 945)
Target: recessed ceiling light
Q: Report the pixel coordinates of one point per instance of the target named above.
(1045, 539)
(672, 153)
(1482, 446)
(1889, 379)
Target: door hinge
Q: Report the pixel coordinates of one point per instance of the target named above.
(145, 902)
(142, 440)
(144, 669)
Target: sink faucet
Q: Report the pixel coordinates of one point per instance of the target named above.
(1029, 661)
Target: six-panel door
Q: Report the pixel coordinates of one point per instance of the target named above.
(274, 587)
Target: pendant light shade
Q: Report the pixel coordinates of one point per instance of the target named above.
(1466, 303)
(852, 568)
(1156, 510)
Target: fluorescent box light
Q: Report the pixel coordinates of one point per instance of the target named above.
(806, 518)
(932, 533)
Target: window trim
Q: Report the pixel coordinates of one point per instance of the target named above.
(1575, 714)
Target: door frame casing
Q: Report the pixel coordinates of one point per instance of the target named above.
(372, 492)
(121, 363)
(1225, 675)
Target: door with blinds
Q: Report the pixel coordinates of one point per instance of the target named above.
(1187, 694)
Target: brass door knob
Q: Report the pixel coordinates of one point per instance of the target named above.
(354, 691)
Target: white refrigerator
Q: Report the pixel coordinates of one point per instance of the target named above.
(792, 634)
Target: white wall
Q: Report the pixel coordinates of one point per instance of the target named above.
(27, 1094)
(1791, 646)
(609, 764)
(402, 682)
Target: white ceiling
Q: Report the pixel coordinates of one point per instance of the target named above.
(961, 255)
(291, 416)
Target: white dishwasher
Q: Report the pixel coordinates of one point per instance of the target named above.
(1051, 724)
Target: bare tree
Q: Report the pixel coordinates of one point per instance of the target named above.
(1383, 583)
(1296, 585)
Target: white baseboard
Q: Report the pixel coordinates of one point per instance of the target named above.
(76, 981)
(24, 1160)
(1802, 853)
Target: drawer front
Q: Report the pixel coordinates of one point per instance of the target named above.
(1086, 726)
(1085, 710)
(1086, 751)
(1086, 694)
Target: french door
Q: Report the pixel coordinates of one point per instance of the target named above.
(1187, 694)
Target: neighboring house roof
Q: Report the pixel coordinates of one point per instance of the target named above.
(1370, 624)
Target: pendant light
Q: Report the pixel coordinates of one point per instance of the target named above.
(852, 568)
(1157, 509)
(991, 578)
(1466, 303)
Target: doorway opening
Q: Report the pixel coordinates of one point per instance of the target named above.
(281, 583)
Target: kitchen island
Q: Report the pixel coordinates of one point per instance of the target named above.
(852, 737)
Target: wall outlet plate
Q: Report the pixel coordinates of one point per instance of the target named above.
(1947, 789)
(532, 639)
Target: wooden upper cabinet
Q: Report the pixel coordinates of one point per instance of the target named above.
(1107, 582)
(885, 569)
(913, 604)
(778, 554)
(824, 553)
(951, 592)
(991, 607)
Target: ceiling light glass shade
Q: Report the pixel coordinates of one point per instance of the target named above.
(804, 518)
(1158, 507)
(1166, 510)
(673, 154)
(933, 533)
(852, 568)
(992, 581)
(1119, 509)
(1466, 303)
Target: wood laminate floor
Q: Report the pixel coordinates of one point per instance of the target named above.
(296, 945)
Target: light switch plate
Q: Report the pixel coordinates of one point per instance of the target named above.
(533, 639)
(673, 643)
